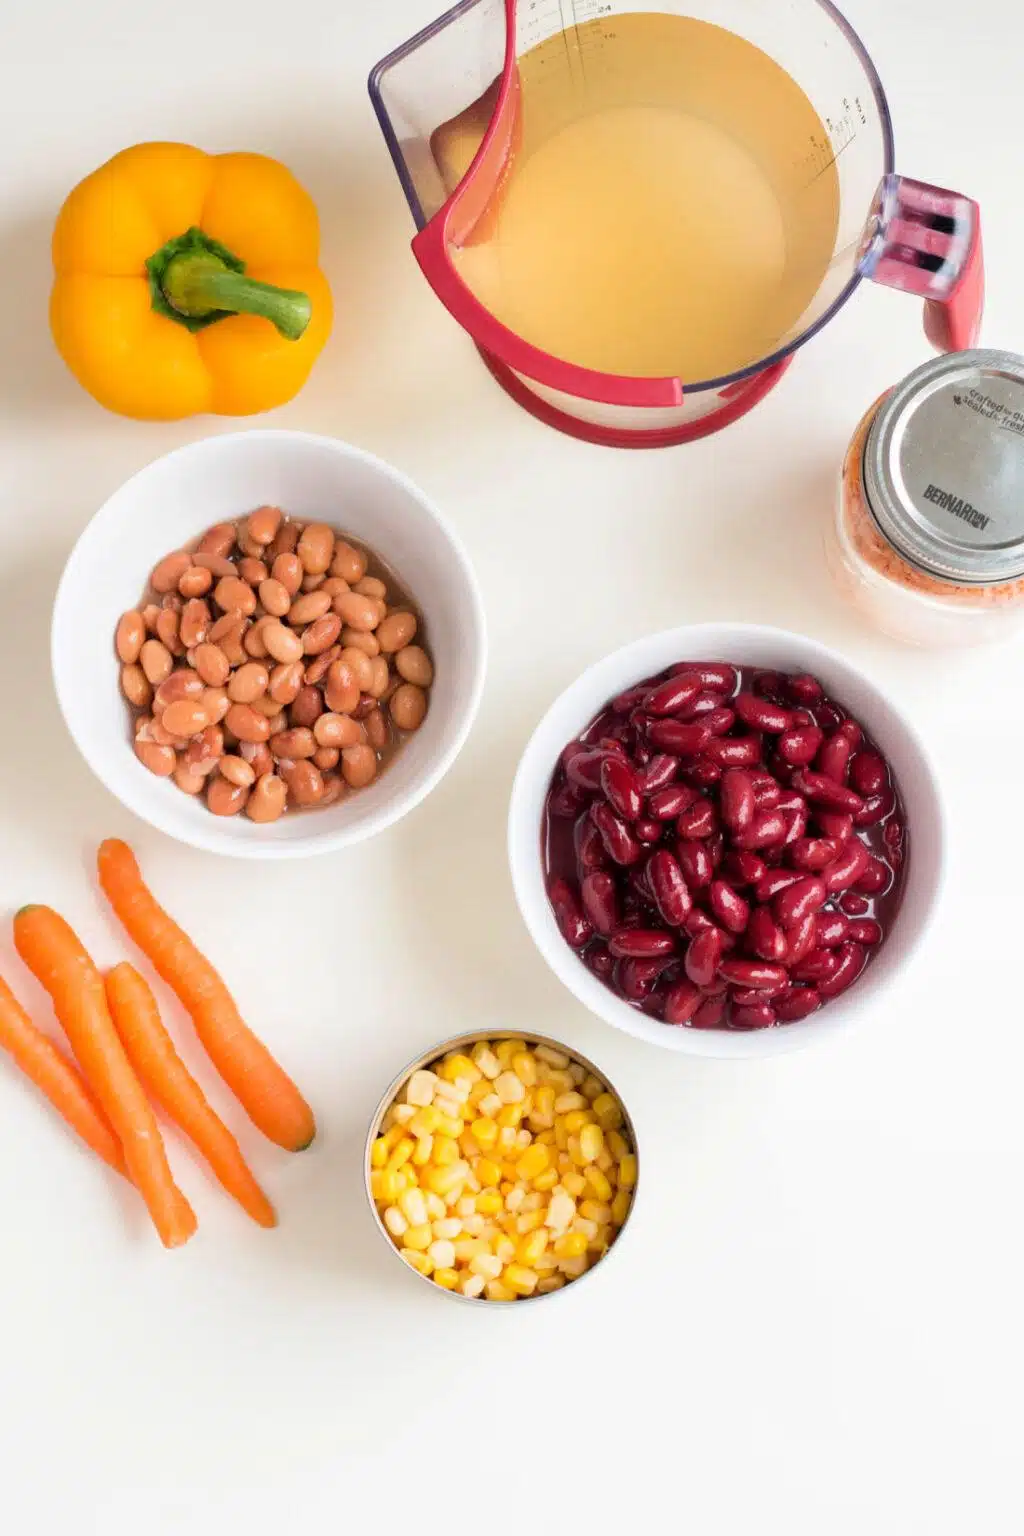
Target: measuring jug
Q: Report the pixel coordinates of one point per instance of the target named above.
(903, 233)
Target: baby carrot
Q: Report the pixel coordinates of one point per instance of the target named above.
(52, 1073)
(167, 1079)
(56, 958)
(264, 1089)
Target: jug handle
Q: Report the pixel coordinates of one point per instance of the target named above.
(927, 240)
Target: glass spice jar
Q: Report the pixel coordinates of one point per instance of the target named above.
(928, 537)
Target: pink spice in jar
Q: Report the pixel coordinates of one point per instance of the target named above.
(928, 537)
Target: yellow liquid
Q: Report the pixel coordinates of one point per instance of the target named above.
(671, 208)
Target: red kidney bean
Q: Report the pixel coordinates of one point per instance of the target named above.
(741, 868)
(854, 906)
(569, 751)
(802, 717)
(758, 974)
(703, 956)
(853, 733)
(574, 927)
(765, 937)
(597, 958)
(834, 757)
(681, 1002)
(647, 830)
(892, 836)
(625, 703)
(621, 788)
(803, 939)
(797, 1003)
(710, 1013)
(720, 720)
(703, 705)
(672, 801)
(767, 791)
(830, 718)
(769, 684)
(760, 714)
(717, 676)
(876, 808)
(641, 943)
(736, 799)
(799, 746)
(768, 829)
(716, 848)
(877, 877)
(761, 1016)
(796, 824)
(774, 881)
(868, 774)
(833, 929)
(668, 887)
(697, 922)
(701, 771)
(696, 863)
(728, 906)
(835, 824)
(826, 792)
(590, 851)
(584, 768)
(813, 853)
(804, 689)
(659, 771)
(599, 895)
(674, 736)
(735, 751)
(866, 931)
(818, 966)
(636, 978)
(700, 820)
(620, 844)
(566, 801)
(671, 697)
(793, 904)
(852, 959)
(753, 997)
(848, 868)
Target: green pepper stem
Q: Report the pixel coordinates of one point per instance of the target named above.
(198, 284)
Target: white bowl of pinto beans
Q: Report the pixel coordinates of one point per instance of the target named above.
(269, 644)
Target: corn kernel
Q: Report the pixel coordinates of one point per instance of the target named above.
(384, 1185)
(489, 1203)
(574, 1267)
(509, 1089)
(416, 1260)
(552, 1057)
(606, 1108)
(597, 1181)
(548, 1283)
(533, 1161)
(561, 1210)
(510, 1171)
(393, 1136)
(546, 1263)
(523, 1139)
(534, 1201)
(448, 1227)
(487, 1265)
(531, 1248)
(406, 1177)
(442, 1251)
(506, 1138)
(567, 1101)
(620, 1207)
(387, 1120)
(576, 1119)
(447, 1278)
(586, 1228)
(591, 1142)
(451, 1125)
(454, 1195)
(627, 1171)
(459, 1091)
(509, 1115)
(594, 1210)
(576, 1072)
(474, 1224)
(480, 1089)
(496, 1291)
(485, 1060)
(520, 1279)
(488, 1172)
(605, 1161)
(413, 1207)
(424, 1147)
(525, 1068)
(448, 1107)
(457, 1066)
(489, 1105)
(469, 1146)
(378, 1153)
(425, 1121)
(395, 1221)
(436, 1209)
(417, 1237)
(570, 1246)
(506, 1049)
(528, 1221)
(514, 1199)
(561, 1136)
(445, 1153)
(576, 1152)
(467, 1248)
(472, 1285)
(591, 1087)
(546, 1180)
(560, 1081)
(574, 1183)
(421, 1088)
(504, 1248)
(485, 1131)
(444, 1180)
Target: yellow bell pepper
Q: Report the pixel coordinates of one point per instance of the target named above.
(188, 282)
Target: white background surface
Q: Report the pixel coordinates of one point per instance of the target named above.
(815, 1324)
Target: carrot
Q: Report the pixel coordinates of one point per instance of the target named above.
(54, 1075)
(167, 1079)
(264, 1089)
(56, 958)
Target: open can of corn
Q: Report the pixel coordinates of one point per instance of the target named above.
(501, 1167)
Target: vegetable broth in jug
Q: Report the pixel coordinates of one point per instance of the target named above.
(670, 208)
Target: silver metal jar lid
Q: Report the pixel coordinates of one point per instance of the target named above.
(944, 467)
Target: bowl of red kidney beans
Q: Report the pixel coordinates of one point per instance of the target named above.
(725, 839)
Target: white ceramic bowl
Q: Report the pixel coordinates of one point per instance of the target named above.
(746, 644)
(171, 503)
